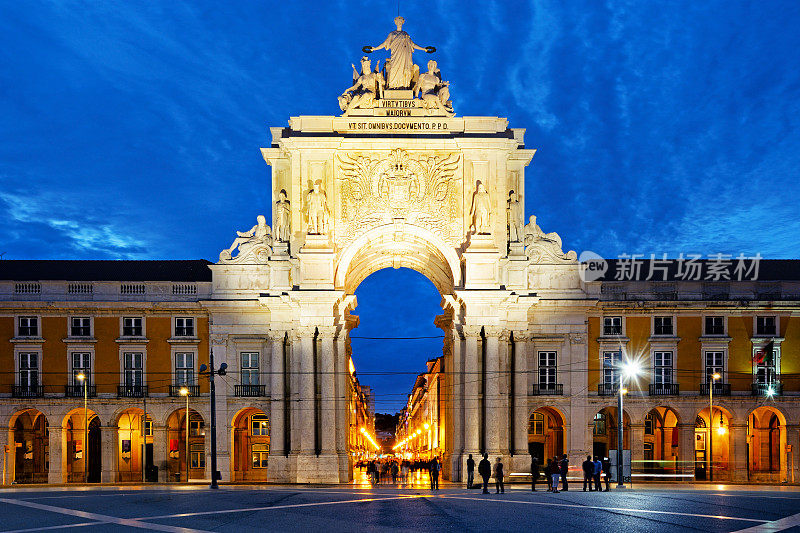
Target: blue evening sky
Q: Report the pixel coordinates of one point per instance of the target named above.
(132, 129)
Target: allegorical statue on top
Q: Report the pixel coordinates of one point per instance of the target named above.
(399, 80)
(254, 244)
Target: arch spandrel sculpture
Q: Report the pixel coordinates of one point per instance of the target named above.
(396, 181)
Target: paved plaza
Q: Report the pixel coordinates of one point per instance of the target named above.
(354, 508)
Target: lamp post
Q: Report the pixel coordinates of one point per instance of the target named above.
(714, 378)
(629, 370)
(210, 372)
(82, 378)
(185, 392)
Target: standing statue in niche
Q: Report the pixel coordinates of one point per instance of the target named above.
(283, 217)
(400, 70)
(366, 89)
(258, 235)
(481, 212)
(317, 210)
(514, 217)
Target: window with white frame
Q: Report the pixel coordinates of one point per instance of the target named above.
(766, 325)
(184, 368)
(249, 368)
(611, 362)
(662, 325)
(612, 325)
(715, 364)
(132, 326)
(29, 369)
(662, 367)
(715, 325)
(547, 370)
(80, 326)
(133, 369)
(81, 364)
(259, 425)
(184, 326)
(28, 326)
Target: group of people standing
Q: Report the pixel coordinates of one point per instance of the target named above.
(394, 471)
(555, 472)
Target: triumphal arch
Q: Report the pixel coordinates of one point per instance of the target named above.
(398, 179)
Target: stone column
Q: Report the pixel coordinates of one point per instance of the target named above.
(520, 377)
(793, 459)
(738, 450)
(277, 426)
(327, 359)
(160, 451)
(219, 344)
(494, 412)
(457, 378)
(306, 403)
(342, 420)
(472, 389)
(686, 450)
(58, 459)
(109, 440)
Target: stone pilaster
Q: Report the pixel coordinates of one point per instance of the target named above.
(472, 390)
(342, 419)
(495, 415)
(456, 381)
(636, 443)
(277, 395)
(160, 451)
(520, 377)
(686, 449)
(108, 453)
(219, 345)
(738, 450)
(58, 456)
(306, 397)
(327, 359)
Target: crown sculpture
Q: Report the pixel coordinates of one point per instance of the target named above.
(397, 89)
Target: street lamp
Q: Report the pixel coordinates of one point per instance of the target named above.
(714, 377)
(210, 372)
(82, 378)
(628, 370)
(185, 392)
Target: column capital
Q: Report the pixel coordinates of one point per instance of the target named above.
(505, 335)
(522, 336)
(303, 332)
(328, 331)
(471, 331)
(494, 331)
(218, 339)
(277, 334)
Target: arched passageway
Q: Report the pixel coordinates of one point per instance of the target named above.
(712, 443)
(546, 434)
(661, 441)
(250, 445)
(31, 440)
(604, 432)
(134, 446)
(766, 433)
(178, 456)
(83, 447)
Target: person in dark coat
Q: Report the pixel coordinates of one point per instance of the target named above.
(563, 467)
(606, 466)
(588, 473)
(598, 467)
(470, 471)
(485, 471)
(435, 467)
(548, 478)
(534, 472)
(498, 477)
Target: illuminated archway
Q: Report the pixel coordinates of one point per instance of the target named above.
(134, 445)
(177, 456)
(546, 434)
(712, 443)
(766, 433)
(661, 441)
(604, 432)
(82, 455)
(29, 461)
(250, 444)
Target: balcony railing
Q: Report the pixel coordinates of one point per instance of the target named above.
(76, 391)
(664, 389)
(547, 389)
(763, 389)
(131, 391)
(249, 391)
(607, 389)
(175, 390)
(28, 391)
(720, 389)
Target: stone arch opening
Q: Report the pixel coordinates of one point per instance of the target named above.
(83, 446)
(177, 454)
(604, 431)
(712, 445)
(250, 442)
(134, 444)
(29, 432)
(546, 434)
(766, 433)
(661, 441)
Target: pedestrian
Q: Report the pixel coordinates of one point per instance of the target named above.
(548, 475)
(606, 466)
(598, 467)
(564, 470)
(534, 472)
(556, 473)
(470, 471)
(395, 471)
(435, 467)
(498, 477)
(588, 472)
(405, 467)
(485, 470)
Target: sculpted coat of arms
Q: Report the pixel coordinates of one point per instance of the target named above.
(422, 189)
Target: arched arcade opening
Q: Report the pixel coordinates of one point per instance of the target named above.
(30, 438)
